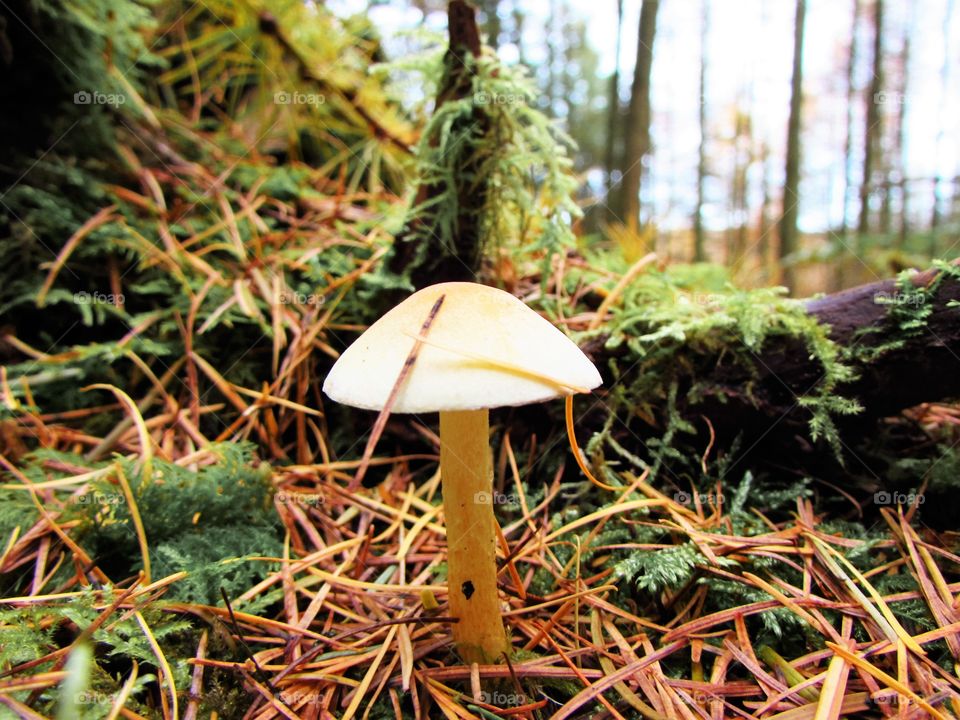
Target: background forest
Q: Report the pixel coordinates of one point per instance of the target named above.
(203, 204)
(698, 119)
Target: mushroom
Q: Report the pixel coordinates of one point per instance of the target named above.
(461, 348)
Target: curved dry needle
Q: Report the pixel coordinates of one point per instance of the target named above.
(518, 370)
(572, 436)
(392, 397)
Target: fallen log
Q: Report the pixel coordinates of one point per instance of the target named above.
(903, 345)
(925, 368)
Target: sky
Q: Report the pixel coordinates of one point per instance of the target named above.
(749, 51)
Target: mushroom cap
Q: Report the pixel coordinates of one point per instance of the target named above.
(484, 349)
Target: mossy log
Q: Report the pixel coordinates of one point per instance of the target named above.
(897, 365)
(925, 368)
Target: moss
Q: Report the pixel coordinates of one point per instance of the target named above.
(496, 144)
(909, 308)
(667, 336)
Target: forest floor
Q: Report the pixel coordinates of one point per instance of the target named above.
(177, 537)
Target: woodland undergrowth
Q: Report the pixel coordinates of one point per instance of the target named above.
(179, 272)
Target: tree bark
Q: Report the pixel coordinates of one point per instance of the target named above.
(935, 217)
(554, 35)
(439, 262)
(699, 241)
(613, 109)
(739, 205)
(791, 186)
(492, 22)
(873, 130)
(839, 270)
(904, 185)
(769, 261)
(519, 20)
(638, 116)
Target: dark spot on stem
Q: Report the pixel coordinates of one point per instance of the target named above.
(467, 589)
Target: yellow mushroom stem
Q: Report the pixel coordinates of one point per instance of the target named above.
(467, 476)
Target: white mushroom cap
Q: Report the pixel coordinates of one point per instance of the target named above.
(484, 349)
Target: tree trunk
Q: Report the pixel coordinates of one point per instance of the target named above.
(941, 132)
(567, 41)
(791, 187)
(438, 261)
(767, 256)
(517, 32)
(742, 160)
(902, 135)
(699, 241)
(873, 131)
(638, 116)
(554, 36)
(613, 110)
(491, 22)
(844, 231)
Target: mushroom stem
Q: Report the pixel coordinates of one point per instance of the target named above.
(467, 476)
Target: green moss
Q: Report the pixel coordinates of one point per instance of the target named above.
(909, 308)
(666, 338)
(495, 142)
(204, 522)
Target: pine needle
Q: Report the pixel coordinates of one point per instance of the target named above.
(384, 414)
